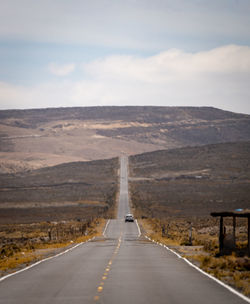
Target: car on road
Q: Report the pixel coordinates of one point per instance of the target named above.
(129, 218)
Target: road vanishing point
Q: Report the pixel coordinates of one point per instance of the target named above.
(120, 267)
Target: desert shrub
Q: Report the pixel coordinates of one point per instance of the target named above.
(9, 250)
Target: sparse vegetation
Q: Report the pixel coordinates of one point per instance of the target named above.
(233, 270)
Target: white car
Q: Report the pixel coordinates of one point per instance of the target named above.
(129, 218)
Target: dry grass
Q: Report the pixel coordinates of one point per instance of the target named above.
(18, 254)
(234, 271)
(152, 228)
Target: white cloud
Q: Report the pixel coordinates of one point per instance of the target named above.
(61, 69)
(172, 64)
(219, 78)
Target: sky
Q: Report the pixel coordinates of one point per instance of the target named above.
(65, 53)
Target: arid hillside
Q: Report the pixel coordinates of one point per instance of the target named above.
(191, 181)
(32, 139)
(71, 191)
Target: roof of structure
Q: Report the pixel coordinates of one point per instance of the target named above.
(235, 213)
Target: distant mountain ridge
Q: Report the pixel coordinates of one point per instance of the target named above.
(149, 114)
(46, 137)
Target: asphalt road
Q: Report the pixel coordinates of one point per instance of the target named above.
(118, 268)
(123, 207)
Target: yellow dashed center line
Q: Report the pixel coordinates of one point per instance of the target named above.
(107, 269)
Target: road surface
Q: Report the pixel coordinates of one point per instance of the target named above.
(121, 267)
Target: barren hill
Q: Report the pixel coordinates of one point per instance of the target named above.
(31, 139)
(191, 181)
(63, 192)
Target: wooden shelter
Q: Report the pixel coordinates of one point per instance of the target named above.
(234, 215)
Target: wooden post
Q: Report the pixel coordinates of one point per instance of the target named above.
(167, 230)
(163, 230)
(49, 234)
(190, 235)
(248, 245)
(221, 236)
(234, 230)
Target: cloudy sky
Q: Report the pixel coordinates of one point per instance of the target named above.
(58, 53)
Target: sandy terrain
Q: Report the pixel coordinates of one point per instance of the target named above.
(61, 142)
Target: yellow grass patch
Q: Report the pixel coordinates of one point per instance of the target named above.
(23, 255)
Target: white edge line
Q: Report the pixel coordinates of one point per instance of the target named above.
(218, 281)
(205, 273)
(44, 260)
(138, 227)
(104, 231)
